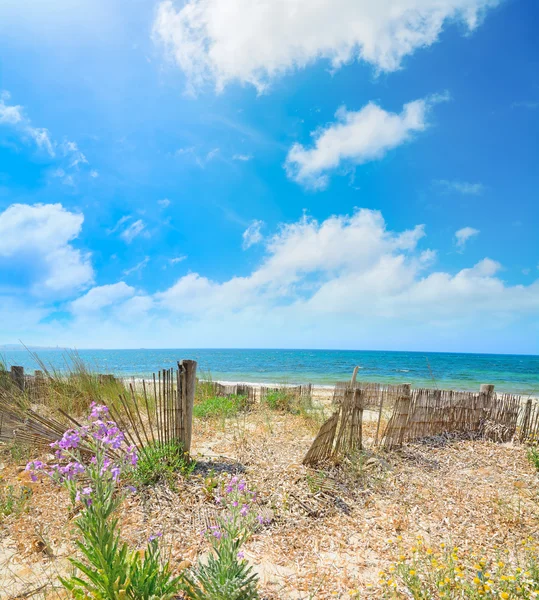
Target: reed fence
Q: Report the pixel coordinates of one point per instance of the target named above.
(157, 411)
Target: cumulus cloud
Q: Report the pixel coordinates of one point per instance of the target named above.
(346, 281)
(36, 248)
(164, 203)
(252, 235)
(355, 138)
(463, 235)
(242, 157)
(102, 296)
(461, 187)
(254, 41)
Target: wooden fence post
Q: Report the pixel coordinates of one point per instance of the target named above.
(487, 389)
(186, 399)
(354, 376)
(404, 412)
(17, 375)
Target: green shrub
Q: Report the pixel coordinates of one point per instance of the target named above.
(13, 500)
(162, 462)
(533, 456)
(109, 569)
(226, 575)
(281, 400)
(220, 407)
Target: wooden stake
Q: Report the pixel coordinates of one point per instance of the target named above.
(186, 398)
(17, 375)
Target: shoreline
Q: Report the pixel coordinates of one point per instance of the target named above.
(326, 388)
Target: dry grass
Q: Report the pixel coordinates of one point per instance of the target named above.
(330, 528)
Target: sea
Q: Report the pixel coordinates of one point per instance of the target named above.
(509, 373)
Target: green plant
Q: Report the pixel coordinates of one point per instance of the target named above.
(220, 407)
(533, 456)
(316, 481)
(13, 500)
(226, 575)
(448, 573)
(162, 462)
(109, 570)
(280, 400)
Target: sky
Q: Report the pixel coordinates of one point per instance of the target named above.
(353, 174)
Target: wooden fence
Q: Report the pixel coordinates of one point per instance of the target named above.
(160, 410)
(415, 414)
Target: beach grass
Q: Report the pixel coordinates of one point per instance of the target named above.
(220, 407)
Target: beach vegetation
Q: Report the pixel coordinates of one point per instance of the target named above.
(533, 456)
(225, 574)
(109, 569)
(13, 499)
(162, 462)
(446, 572)
(280, 400)
(220, 407)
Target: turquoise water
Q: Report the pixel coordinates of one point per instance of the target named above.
(519, 374)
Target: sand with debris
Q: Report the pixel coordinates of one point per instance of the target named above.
(329, 534)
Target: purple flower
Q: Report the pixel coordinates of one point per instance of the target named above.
(131, 456)
(34, 466)
(260, 519)
(132, 489)
(106, 464)
(84, 495)
(97, 410)
(115, 472)
(71, 470)
(70, 439)
(235, 503)
(241, 555)
(241, 485)
(244, 510)
(155, 536)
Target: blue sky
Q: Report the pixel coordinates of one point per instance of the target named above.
(345, 174)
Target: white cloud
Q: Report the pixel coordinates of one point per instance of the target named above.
(348, 281)
(14, 115)
(242, 157)
(94, 174)
(133, 230)
(254, 41)
(463, 235)
(67, 154)
(531, 105)
(74, 155)
(177, 259)
(355, 138)
(119, 224)
(138, 267)
(462, 187)
(102, 296)
(35, 244)
(346, 278)
(252, 234)
(164, 203)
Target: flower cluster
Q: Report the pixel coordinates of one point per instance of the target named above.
(238, 517)
(449, 572)
(100, 437)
